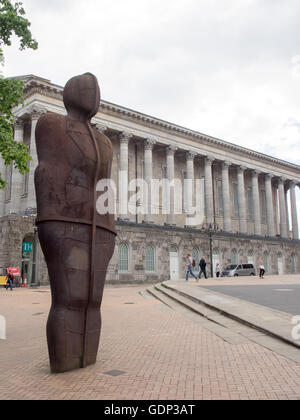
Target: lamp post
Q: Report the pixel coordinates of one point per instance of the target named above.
(211, 228)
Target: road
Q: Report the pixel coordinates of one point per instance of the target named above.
(285, 298)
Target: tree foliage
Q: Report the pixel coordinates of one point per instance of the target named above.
(12, 22)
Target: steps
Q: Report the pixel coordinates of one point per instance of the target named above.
(234, 320)
(169, 297)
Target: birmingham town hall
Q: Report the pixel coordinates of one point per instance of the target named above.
(230, 204)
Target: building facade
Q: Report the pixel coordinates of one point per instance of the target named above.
(176, 191)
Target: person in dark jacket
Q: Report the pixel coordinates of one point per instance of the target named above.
(9, 281)
(202, 266)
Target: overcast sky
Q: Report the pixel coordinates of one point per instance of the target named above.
(226, 68)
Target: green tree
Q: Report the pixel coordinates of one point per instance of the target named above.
(12, 22)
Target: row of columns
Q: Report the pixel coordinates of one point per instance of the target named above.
(256, 202)
(257, 205)
(18, 183)
(209, 191)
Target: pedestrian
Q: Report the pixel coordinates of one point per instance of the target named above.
(261, 268)
(9, 281)
(202, 266)
(218, 270)
(189, 267)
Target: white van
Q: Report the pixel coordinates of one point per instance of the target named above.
(236, 270)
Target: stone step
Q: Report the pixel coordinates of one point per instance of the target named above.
(269, 321)
(228, 326)
(189, 303)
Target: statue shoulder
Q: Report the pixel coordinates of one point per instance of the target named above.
(50, 124)
(50, 136)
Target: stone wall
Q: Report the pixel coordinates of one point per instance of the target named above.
(13, 229)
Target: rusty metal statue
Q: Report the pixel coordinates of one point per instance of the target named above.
(77, 242)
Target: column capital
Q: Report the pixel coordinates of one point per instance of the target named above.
(209, 159)
(255, 172)
(226, 164)
(281, 180)
(149, 143)
(171, 150)
(190, 155)
(36, 112)
(242, 168)
(19, 124)
(125, 137)
(101, 128)
(269, 177)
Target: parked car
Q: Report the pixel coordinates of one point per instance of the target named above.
(235, 270)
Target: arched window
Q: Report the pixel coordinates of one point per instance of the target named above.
(196, 256)
(266, 260)
(174, 263)
(293, 264)
(150, 258)
(251, 257)
(123, 257)
(216, 259)
(280, 263)
(234, 257)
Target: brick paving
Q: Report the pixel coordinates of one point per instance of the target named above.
(163, 354)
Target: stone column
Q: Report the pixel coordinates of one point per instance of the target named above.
(270, 205)
(277, 211)
(17, 179)
(123, 174)
(286, 189)
(294, 210)
(256, 203)
(148, 165)
(209, 204)
(226, 196)
(189, 183)
(282, 206)
(171, 176)
(242, 199)
(35, 114)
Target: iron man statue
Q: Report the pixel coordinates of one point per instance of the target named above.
(77, 242)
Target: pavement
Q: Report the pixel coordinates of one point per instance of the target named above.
(148, 351)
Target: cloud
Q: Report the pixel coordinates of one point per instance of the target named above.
(222, 67)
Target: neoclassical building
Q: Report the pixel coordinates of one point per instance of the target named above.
(225, 202)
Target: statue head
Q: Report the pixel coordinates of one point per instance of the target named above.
(82, 95)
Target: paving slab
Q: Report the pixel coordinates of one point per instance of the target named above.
(159, 353)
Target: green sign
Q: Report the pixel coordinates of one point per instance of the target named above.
(27, 247)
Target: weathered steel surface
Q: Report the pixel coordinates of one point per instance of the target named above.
(77, 242)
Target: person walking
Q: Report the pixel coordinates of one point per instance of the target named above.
(9, 281)
(261, 268)
(189, 268)
(218, 270)
(202, 266)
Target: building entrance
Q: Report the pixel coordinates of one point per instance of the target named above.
(27, 259)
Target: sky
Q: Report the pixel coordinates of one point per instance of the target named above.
(225, 68)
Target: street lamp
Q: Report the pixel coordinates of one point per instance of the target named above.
(211, 228)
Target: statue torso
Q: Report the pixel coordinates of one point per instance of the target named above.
(66, 177)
